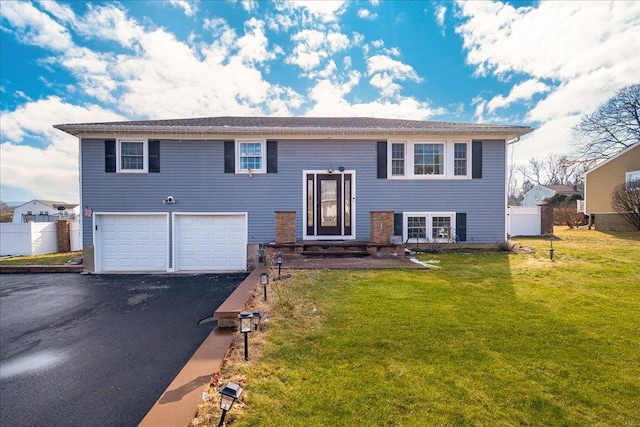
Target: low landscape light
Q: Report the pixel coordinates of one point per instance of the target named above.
(264, 281)
(257, 316)
(279, 261)
(228, 396)
(246, 325)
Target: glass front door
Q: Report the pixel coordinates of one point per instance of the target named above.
(329, 204)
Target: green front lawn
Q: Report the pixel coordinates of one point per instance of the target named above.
(488, 339)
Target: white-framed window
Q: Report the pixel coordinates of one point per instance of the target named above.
(429, 159)
(133, 155)
(397, 158)
(251, 156)
(423, 227)
(632, 179)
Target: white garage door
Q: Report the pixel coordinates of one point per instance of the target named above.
(132, 242)
(210, 242)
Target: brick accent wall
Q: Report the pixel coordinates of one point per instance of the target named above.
(285, 227)
(546, 220)
(64, 235)
(381, 226)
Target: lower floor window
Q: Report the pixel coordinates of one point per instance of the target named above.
(422, 227)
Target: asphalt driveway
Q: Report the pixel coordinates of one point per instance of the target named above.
(98, 349)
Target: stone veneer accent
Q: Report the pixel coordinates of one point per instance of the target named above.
(285, 227)
(381, 226)
(64, 235)
(546, 219)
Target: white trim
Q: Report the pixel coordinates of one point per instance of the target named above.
(305, 236)
(409, 155)
(429, 226)
(97, 242)
(173, 231)
(145, 155)
(263, 155)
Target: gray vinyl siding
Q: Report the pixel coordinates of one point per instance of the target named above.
(193, 173)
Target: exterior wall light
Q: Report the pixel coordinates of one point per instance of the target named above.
(246, 320)
(264, 281)
(257, 315)
(228, 396)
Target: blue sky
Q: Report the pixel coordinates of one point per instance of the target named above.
(542, 64)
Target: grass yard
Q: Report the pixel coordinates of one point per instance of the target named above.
(489, 339)
(48, 259)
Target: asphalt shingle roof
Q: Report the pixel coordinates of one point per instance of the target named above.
(290, 125)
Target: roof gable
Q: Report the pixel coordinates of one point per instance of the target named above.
(621, 153)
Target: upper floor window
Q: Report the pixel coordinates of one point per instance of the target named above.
(429, 160)
(251, 156)
(397, 159)
(132, 156)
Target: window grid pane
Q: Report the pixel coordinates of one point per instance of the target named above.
(429, 159)
(250, 155)
(417, 227)
(397, 159)
(132, 155)
(441, 227)
(460, 160)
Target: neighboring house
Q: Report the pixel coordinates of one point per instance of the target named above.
(600, 182)
(200, 194)
(539, 193)
(44, 211)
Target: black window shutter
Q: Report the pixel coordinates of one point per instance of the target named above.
(461, 226)
(229, 157)
(476, 159)
(272, 156)
(110, 155)
(382, 159)
(154, 156)
(397, 224)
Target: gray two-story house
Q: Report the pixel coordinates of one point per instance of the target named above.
(200, 194)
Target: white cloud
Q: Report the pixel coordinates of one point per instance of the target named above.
(249, 5)
(588, 49)
(50, 171)
(254, 44)
(326, 10)
(314, 46)
(440, 13)
(522, 91)
(384, 71)
(109, 23)
(189, 7)
(367, 14)
(36, 28)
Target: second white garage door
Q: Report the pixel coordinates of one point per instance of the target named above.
(215, 242)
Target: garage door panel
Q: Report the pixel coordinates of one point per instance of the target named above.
(133, 242)
(210, 242)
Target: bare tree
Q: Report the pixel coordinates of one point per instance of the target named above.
(625, 200)
(614, 126)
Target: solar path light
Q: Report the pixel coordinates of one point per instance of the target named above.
(257, 315)
(279, 261)
(228, 396)
(246, 325)
(264, 281)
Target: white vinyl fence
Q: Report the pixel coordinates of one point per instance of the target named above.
(76, 236)
(524, 220)
(30, 238)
